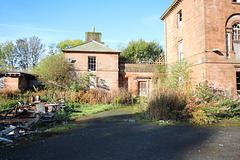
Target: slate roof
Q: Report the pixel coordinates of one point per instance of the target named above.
(92, 46)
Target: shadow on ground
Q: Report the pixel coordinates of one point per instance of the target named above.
(110, 136)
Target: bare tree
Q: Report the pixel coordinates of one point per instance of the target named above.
(28, 52)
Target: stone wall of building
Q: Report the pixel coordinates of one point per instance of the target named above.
(106, 68)
(191, 33)
(217, 14)
(203, 33)
(131, 74)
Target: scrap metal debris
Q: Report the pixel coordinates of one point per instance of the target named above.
(20, 120)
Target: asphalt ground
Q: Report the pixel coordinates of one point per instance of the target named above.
(113, 135)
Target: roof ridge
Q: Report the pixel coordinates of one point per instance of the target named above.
(104, 45)
(93, 46)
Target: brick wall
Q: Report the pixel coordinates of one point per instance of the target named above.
(106, 67)
(130, 80)
(11, 83)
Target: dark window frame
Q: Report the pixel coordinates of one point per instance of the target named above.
(179, 18)
(92, 64)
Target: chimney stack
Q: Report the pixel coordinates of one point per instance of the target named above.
(96, 36)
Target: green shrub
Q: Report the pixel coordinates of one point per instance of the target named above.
(203, 92)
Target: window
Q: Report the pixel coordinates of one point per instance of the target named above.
(180, 50)
(236, 40)
(228, 44)
(70, 60)
(238, 83)
(91, 64)
(236, 32)
(2, 83)
(180, 18)
(142, 88)
(121, 81)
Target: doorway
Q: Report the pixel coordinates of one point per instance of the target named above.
(142, 88)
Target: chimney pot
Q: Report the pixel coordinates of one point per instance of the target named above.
(93, 29)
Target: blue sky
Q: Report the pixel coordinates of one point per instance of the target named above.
(57, 20)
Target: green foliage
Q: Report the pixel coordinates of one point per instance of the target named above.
(68, 44)
(7, 104)
(8, 57)
(203, 92)
(61, 128)
(54, 70)
(63, 115)
(138, 51)
(178, 75)
(83, 110)
(162, 68)
(82, 84)
(9, 98)
(28, 51)
(23, 54)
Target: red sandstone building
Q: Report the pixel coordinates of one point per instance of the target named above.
(17, 81)
(102, 63)
(207, 34)
(97, 59)
(106, 70)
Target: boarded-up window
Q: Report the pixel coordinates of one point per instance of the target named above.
(2, 83)
(142, 88)
(92, 82)
(121, 81)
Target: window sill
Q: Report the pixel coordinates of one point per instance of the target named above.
(236, 3)
(179, 26)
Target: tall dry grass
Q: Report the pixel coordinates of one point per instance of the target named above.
(100, 96)
(167, 103)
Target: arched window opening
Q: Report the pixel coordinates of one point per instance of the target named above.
(236, 39)
(236, 32)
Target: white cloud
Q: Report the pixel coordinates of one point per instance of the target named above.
(38, 29)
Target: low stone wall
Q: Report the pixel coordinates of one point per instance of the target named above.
(153, 68)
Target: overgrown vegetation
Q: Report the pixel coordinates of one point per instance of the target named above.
(54, 71)
(22, 54)
(141, 51)
(176, 99)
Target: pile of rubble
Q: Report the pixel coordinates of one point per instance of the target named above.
(20, 120)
